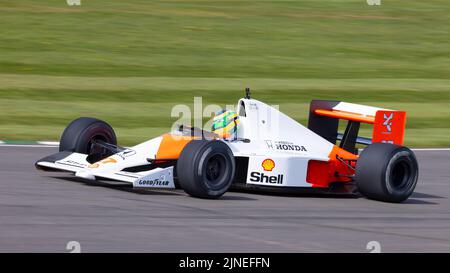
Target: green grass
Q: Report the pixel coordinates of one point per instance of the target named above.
(129, 62)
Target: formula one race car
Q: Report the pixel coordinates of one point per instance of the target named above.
(257, 147)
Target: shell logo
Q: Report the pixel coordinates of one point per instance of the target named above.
(268, 164)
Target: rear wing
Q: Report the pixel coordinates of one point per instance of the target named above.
(324, 116)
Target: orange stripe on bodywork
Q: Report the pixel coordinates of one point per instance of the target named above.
(172, 145)
(321, 173)
(345, 115)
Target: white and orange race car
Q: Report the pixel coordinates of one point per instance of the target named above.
(255, 147)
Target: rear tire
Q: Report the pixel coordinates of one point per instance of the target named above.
(79, 134)
(205, 169)
(387, 172)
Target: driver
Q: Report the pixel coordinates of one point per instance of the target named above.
(225, 124)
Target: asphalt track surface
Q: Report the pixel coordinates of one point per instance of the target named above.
(42, 212)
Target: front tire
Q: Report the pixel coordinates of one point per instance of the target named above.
(387, 172)
(80, 134)
(205, 169)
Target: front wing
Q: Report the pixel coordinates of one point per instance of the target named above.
(76, 163)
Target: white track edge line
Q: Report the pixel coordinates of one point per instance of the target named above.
(28, 145)
(44, 144)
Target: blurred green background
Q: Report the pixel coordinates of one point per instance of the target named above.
(130, 61)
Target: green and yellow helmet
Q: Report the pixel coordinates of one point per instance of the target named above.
(225, 124)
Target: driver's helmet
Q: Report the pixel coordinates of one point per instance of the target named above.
(225, 124)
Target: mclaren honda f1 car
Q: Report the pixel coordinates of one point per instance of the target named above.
(256, 147)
